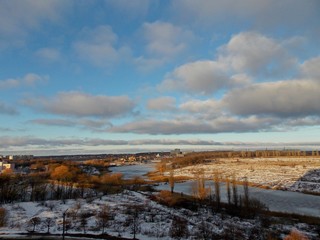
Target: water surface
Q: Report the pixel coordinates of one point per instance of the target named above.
(276, 200)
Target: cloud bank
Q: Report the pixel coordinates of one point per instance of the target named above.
(81, 104)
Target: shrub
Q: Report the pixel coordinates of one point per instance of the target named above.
(179, 228)
(3, 217)
(295, 235)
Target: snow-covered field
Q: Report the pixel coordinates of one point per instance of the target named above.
(294, 173)
(154, 221)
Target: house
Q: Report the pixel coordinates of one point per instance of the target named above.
(176, 153)
(5, 165)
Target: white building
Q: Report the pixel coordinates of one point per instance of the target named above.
(4, 166)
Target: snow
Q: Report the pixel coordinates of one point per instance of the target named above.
(155, 224)
(155, 220)
(294, 174)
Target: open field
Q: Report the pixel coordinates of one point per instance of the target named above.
(288, 173)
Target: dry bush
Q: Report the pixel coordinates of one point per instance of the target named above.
(179, 228)
(176, 200)
(3, 217)
(296, 235)
(112, 179)
(97, 163)
(166, 197)
(158, 178)
(61, 173)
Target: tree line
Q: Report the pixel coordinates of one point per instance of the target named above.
(59, 182)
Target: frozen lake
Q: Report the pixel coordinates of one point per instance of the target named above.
(280, 201)
(131, 171)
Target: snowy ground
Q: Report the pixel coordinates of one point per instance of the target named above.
(294, 173)
(154, 221)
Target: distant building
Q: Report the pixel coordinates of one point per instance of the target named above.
(176, 153)
(19, 157)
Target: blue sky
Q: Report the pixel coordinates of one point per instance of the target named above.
(126, 76)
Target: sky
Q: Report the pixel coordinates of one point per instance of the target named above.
(127, 76)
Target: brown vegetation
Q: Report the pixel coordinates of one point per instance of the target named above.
(3, 217)
(295, 235)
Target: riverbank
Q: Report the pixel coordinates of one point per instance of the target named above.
(276, 200)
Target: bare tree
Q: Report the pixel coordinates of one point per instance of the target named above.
(234, 192)
(103, 217)
(204, 231)
(84, 221)
(161, 167)
(133, 218)
(48, 222)
(217, 191)
(35, 221)
(246, 192)
(232, 232)
(228, 190)
(171, 179)
(3, 217)
(179, 228)
(199, 188)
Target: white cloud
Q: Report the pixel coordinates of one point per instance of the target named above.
(258, 14)
(17, 18)
(99, 46)
(8, 110)
(15, 14)
(283, 98)
(53, 122)
(148, 64)
(30, 79)
(241, 79)
(202, 77)
(82, 104)
(165, 39)
(34, 141)
(9, 83)
(164, 43)
(89, 124)
(269, 106)
(48, 54)
(220, 123)
(162, 104)
(136, 8)
(256, 54)
(247, 57)
(311, 68)
(195, 125)
(209, 108)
